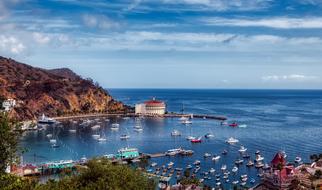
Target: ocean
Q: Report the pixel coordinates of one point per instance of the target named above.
(288, 120)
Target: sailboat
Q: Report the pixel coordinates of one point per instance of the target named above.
(53, 139)
(190, 137)
(125, 136)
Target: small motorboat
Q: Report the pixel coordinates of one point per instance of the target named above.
(209, 135)
(54, 145)
(101, 139)
(72, 130)
(190, 138)
(170, 164)
(242, 149)
(186, 122)
(138, 129)
(234, 124)
(239, 161)
(235, 182)
(259, 165)
(257, 152)
(250, 163)
(246, 156)
(215, 158)
(124, 137)
(196, 140)
(197, 162)
(175, 133)
(223, 167)
(96, 136)
(95, 127)
(224, 152)
(252, 181)
(235, 169)
(206, 155)
(298, 159)
(153, 164)
(266, 167)
(53, 141)
(212, 170)
(115, 126)
(259, 158)
(49, 135)
(189, 167)
(223, 123)
(242, 126)
(232, 140)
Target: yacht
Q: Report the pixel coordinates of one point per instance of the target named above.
(235, 169)
(298, 159)
(190, 138)
(209, 135)
(259, 158)
(242, 149)
(46, 120)
(223, 167)
(175, 133)
(124, 137)
(250, 163)
(115, 126)
(239, 161)
(197, 162)
(173, 152)
(206, 155)
(215, 158)
(95, 127)
(232, 140)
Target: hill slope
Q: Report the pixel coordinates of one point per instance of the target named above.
(53, 92)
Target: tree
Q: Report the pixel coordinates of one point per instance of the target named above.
(9, 138)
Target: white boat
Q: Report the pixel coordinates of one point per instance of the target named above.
(102, 138)
(173, 152)
(183, 118)
(190, 138)
(138, 129)
(170, 164)
(223, 167)
(124, 137)
(153, 164)
(95, 127)
(197, 162)
(235, 169)
(175, 133)
(232, 140)
(259, 158)
(298, 159)
(235, 182)
(49, 135)
(215, 158)
(186, 122)
(250, 163)
(96, 136)
(206, 155)
(209, 135)
(72, 130)
(242, 126)
(242, 149)
(46, 120)
(259, 165)
(212, 170)
(115, 126)
(53, 141)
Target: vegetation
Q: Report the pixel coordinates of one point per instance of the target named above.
(8, 141)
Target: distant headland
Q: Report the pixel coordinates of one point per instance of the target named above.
(55, 92)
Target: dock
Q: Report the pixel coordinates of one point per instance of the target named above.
(167, 115)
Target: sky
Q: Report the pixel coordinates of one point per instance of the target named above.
(170, 43)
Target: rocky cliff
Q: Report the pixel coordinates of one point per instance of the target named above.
(54, 92)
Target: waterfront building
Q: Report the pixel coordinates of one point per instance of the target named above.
(127, 153)
(151, 107)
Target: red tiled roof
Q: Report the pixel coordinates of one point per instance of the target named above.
(278, 159)
(154, 103)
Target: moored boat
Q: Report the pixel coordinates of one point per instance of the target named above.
(232, 140)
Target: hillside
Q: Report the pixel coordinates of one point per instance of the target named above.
(53, 92)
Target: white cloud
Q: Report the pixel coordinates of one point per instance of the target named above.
(278, 22)
(41, 38)
(99, 21)
(223, 5)
(11, 45)
(292, 77)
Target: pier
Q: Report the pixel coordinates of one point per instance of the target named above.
(167, 115)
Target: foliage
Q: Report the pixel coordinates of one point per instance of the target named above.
(9, 137)
(318, 174)
(190, 181)
(12, 182)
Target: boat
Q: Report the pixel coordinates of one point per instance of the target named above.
(212, 170)
(55, 145)
(284, 154)
(298, 159)
(46, 120)
(190, 138)
(266, 167)
(259, 165)
(102, 138)
(173, 152)
(189, 167)
(234, 124)
(49, 135)
(235, 182)
(72, 130)
(252, 181)
(206, 155)
(175, 133)
(223, 167)
(218, 183)
(209, 135)
(215, 158)
(170, 164)
(95, 127)
(124, 137)
(183, 118)
(223, 123)
(259, 158)
(246, 156)
(239, 161)
(224, 152)
(53, 141)
(242, 126)
(197, 162)
(257, 152)
(138, 129)
(153, 164)
(242, 149)
(115, 126)
(250, 163)
(232, 140)
(196, 140)
(186, 152)
(186, 122)
(235, 169)
(96, 136)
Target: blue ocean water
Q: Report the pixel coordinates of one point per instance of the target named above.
(288, 120)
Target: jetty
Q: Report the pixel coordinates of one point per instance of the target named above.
(167, 115)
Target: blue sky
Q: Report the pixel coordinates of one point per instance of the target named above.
(170, 43)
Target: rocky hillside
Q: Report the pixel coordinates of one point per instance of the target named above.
(54, 92)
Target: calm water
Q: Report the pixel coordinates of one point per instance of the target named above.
(276, 120)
